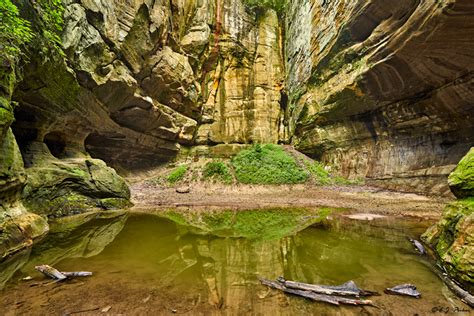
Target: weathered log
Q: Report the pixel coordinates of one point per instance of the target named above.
(418, 246)
(404, 289)
(334, 300)
(77, 274)
(60, 276)
(51, 272)
(464, 295)
(347, 289)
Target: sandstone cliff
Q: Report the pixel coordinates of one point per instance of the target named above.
(377, 90)
(133, 82)
(383, 90)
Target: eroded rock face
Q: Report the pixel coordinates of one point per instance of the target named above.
(142, 78)
(452, 237)
(383, 91)
(18, 227)
(453, 240)
(139, 79)
(61, 187)
(461, 180)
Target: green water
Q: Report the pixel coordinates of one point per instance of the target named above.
(209, 263)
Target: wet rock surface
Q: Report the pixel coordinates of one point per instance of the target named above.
(452, 237)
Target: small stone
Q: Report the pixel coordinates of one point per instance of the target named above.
(174, 311)
(106, 309)
(183, 190)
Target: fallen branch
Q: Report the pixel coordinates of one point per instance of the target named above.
(51, 272)
(464, 295)
(346, 289)
(77, 274)
(54, 274)
(334, 300)
(404, 289)
(83, 311)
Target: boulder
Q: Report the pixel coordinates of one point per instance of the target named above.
(452, 238)
(461, 180)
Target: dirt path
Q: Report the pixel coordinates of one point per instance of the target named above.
(359, 199)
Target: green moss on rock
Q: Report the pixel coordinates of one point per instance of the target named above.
(461, 180)
(115, 203)
(453, 240)
(58, 188)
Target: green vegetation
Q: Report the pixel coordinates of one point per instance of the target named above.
(258, 5)
(267, 164)
(177, 174)
(51, 13)
(461, 180)
(217, 170)
(261, 224)
(14, 31)
(319, 173)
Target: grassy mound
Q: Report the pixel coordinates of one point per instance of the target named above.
(217, 170)
(267, 164)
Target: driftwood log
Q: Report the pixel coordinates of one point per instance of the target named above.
(51, 272)
(404, 289)
(54, 274)
(347, 289)
(334, 300)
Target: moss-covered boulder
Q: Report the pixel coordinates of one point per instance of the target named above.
(62, 187)
(18, 228)
(461, 180)
(452, 238)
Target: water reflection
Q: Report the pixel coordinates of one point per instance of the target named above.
(200, 264)
(80, 241)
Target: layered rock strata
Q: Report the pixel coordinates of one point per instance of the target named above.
(137, 81)
(144, 78)
(377, 90)
(383, 91)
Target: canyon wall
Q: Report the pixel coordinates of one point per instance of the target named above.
(143, 78)
(376, 90)
(383, 91)
(132, 83)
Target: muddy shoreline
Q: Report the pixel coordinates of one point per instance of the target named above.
(356, 199)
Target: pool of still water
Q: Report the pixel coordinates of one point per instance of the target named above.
(149, 264)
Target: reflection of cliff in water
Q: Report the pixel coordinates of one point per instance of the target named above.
(84, 241)
(207, 267)
(12, 264)
(229, 267)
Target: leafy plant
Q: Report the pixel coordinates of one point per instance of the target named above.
(49, 23)
(257, 5)
(177, 174)
(14, 31)
(319, 173)
(267, 164)
(217, 170)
